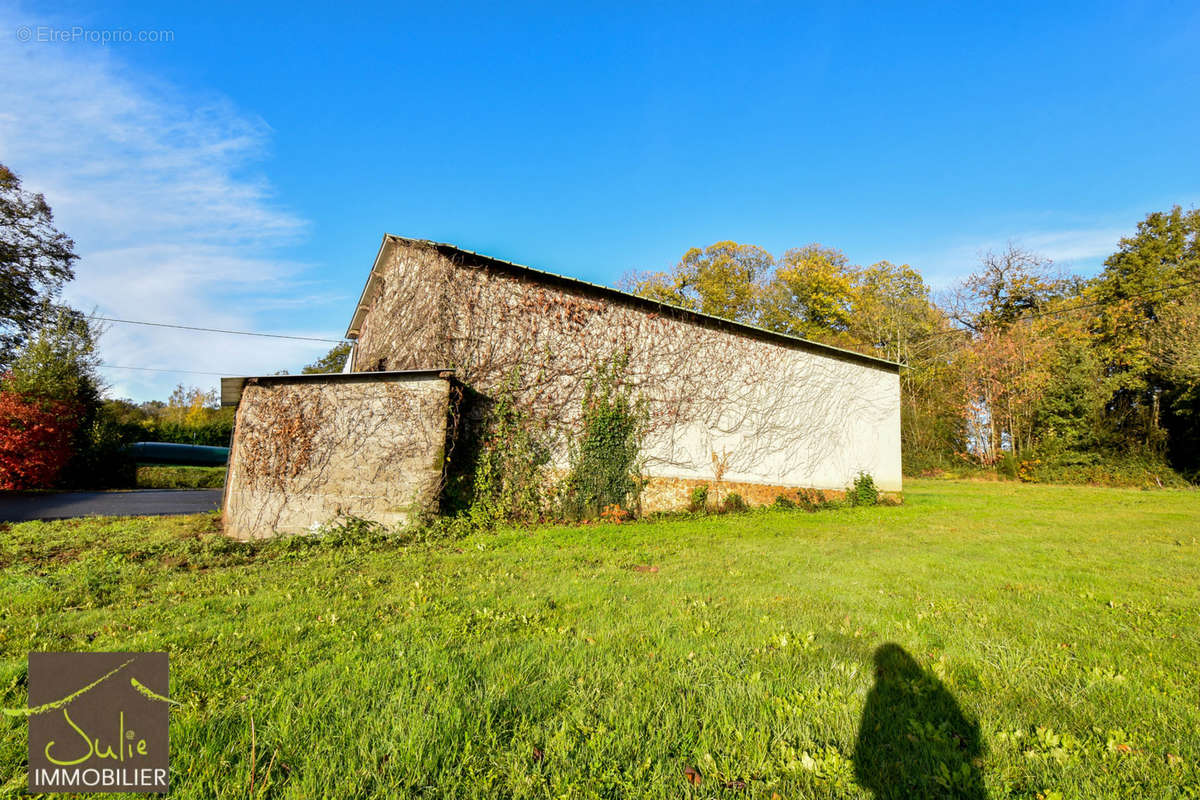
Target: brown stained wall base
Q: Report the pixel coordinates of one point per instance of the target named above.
(675, 494)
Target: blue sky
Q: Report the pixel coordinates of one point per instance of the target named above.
(241, 175)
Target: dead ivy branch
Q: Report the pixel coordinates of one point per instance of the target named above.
(318, 450)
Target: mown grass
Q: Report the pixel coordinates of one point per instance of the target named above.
(1032, 641)
(159, 477)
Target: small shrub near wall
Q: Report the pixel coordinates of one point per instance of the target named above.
(734, 503)
(699, 500)
(863, 492)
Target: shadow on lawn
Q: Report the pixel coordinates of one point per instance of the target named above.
(914, 741)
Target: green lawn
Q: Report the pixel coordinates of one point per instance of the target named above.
(1031, 641)
(167, 477)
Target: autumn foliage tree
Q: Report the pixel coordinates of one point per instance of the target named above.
(47, 352)
(812, 293)
(36, 436)
(815, 292)
(47, 397)
(724, 279)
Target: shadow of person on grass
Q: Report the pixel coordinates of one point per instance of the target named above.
(914, 741)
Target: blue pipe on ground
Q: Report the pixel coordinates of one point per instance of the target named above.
(192, 455)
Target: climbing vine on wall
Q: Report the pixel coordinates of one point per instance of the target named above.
(318, 449)
(510, 480)
(605, 455)
(766, 407)
(277, 445)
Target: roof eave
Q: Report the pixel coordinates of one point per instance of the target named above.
(232, 387)
(783, 338)
(364, 300)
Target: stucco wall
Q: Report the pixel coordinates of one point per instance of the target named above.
(750, 408)
(307, 451)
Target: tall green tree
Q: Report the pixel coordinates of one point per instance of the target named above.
(333, 361)
(811, 294)
(55, 368)
(1147, 288)
(725, 279)
(36, 259)
(58, 359)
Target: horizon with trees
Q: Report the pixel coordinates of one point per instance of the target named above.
(1018, 368)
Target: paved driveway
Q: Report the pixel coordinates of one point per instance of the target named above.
(142, 502)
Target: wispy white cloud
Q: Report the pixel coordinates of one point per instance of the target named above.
(1081, 250)
(170, 222)
(1083, 247)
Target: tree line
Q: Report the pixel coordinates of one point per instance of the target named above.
(1019, 367)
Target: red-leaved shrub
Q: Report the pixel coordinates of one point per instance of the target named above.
(35, 440)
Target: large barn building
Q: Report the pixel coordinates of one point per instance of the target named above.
(757, 412)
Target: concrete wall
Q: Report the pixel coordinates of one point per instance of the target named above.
(753, 409)
(306, 451)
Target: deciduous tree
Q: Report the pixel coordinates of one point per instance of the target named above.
(333, 361)
(1143, 340)
(36, 259)
(811, 294)
(724, 279)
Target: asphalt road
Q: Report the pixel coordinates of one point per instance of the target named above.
(142, 502)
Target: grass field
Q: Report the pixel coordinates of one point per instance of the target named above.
(983, 640)
(160, 477)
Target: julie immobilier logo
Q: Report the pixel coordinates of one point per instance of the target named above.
(97, 722)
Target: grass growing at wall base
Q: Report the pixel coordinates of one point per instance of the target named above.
(1005, 639)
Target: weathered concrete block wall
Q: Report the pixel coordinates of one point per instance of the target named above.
(753, 408)
(306, 451)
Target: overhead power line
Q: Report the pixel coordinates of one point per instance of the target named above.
(1068, 309)
(161, 369)
(218, 330)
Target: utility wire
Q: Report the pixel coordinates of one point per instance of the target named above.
(159, 369)
(218, 330)
(1034, 315)
(1064, 310)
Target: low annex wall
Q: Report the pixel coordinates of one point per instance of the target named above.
(308, 448)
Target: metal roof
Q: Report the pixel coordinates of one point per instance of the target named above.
(231, 388)
(610, 293)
